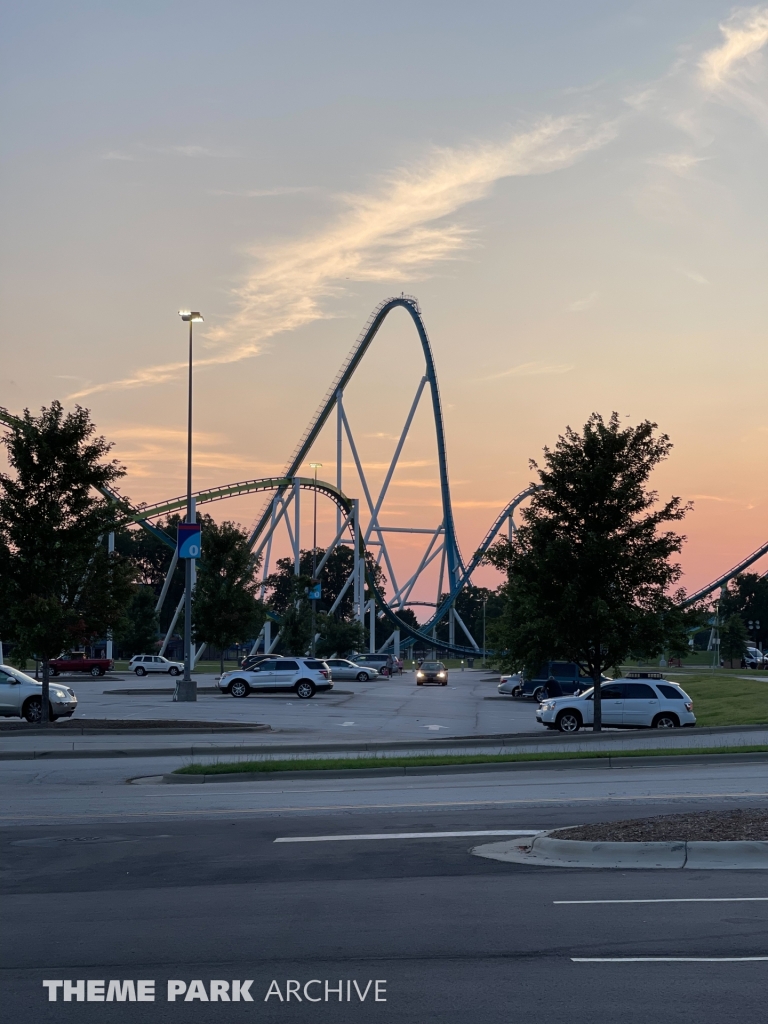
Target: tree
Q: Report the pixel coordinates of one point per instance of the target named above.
(151, 559)
(58, 585)
(337, 637)
(590, 569)
(733, 639)
(747, 595)
(226, 608)
(281, 582)
(137, 631)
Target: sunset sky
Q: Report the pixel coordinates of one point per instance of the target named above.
(576, 193)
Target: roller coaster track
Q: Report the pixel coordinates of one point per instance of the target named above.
(289, 482)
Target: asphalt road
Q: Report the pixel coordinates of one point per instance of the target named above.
(108, 880)
(383, 709)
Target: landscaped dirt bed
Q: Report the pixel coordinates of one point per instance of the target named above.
(718, 826)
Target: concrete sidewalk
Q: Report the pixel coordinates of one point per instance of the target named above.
(17, 747)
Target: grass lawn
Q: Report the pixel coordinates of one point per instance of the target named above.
(331, 763)
(721, 698)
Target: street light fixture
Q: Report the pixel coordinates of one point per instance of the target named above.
(315, 466)
(186, 687)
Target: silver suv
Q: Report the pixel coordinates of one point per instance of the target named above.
(21, 697)
(303, 676)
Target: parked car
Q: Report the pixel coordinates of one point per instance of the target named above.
(566, 674)
(255, 659)
(381, 662)
(343, 668)
(643, 700)
(21, 697)
(143, 663)
(431, 672)
(76, 661)
(304, 676)
(753, 658)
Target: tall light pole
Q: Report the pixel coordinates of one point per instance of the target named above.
(485, 602)
(315, 466)
(186, 688)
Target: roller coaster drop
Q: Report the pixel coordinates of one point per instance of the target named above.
(442, 541)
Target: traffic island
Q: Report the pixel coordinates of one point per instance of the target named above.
(707, 840)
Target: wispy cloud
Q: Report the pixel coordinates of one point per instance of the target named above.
(692, 275)
(534, 369)
(745, 34)
(586, 303)
(398, 230)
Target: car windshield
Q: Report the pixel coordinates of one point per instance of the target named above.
(21, 676)
(432, 666)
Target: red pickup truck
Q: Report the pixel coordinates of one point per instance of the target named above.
(76, 661)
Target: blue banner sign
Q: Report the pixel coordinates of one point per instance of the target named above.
(188, 540)
(314, 592)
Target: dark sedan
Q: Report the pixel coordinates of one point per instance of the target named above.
(431, 672)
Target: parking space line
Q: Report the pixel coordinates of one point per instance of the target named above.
(664, 959)
(690, 899)
(409, 835)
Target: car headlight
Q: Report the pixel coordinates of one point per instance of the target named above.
(441, 675)
(60, 695)
(419, 675)
(548, 707)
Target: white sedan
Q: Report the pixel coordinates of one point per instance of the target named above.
(143, 663)
(643, 700)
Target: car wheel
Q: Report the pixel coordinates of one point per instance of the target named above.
(305, 689)
(568, 721)
(362, 677)
(95, 671)
(538, 694)
(665, 721)
(173, 670)
(419, 682)
(54, 671)
(445, 683)
(517, 691)
(33, 710)
(140, 671)
(239, 688)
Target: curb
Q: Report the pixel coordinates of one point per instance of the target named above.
(545, 851)
(590, 763)
(491, 742)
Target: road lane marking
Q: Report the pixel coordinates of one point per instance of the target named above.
(409, 835)
(664, 959)
(692, 899)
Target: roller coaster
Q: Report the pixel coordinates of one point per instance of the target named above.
(364, 529)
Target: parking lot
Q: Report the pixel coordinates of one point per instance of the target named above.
(384, 709)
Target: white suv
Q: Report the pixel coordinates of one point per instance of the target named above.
(304, 676)
(641, 700)
(143, 663)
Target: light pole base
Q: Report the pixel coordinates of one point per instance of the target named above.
(186, 690)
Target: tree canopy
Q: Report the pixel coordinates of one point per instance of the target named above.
(226, 608)
(590, 570)
(58, 585)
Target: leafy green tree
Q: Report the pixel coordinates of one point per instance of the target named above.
(733, 639)
(58, 585)
(281, 582)
(296, 624)
(747, 595)
(337, 637)
(137, 631)
(151, 559)
(590, 569)
(225, 607)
